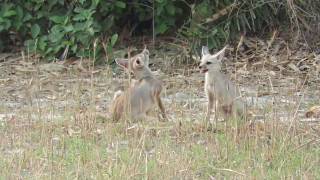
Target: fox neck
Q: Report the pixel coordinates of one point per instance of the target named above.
(213, 74)
(144, 73)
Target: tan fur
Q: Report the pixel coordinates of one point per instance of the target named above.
(220, 91)
(142, 94)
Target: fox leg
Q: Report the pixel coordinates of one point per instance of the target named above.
(228, 111)
(210, 105)
(161, 107)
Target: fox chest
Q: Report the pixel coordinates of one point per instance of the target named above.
(141, 98)
(222, 90)
(215, 87)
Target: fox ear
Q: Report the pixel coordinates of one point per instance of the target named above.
(205, 50)
(123, 63)
(145, 48)
(219, 55)
(146, 53)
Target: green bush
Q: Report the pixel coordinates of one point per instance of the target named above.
(215, 22)
(52, 27)
(49, 27)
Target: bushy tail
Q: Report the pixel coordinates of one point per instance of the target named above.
(117, 107)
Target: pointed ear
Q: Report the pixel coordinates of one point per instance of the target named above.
(123, 63)
(219, 55)
(146, 53)
(205, 50)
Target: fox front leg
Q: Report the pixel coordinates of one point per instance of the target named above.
(210, 105)
(161, 107)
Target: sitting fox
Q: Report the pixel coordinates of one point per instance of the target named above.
(142, 93)
(218, 87)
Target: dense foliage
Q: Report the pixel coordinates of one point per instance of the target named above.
(52, 27)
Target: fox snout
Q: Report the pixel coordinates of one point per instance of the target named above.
(203, 68)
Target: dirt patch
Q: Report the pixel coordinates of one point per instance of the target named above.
(276, 81)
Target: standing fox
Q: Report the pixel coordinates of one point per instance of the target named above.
(218, 87)
(142, 93)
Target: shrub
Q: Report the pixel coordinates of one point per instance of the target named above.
(56, 26)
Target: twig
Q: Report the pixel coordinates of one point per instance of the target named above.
(221, 13)
(153, 26)
(307, 143)
(228, 170)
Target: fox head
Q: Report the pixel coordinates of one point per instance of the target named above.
(211, 62)
(137, 63)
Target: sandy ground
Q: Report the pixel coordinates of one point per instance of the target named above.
(53, 89)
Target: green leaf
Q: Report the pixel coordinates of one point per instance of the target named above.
(162, 28)
(78, 27)
(114, 39)
(170, 9)
(18, 18)
(61, 2)
(84, 38)
(120, 4)
(214, 32)
(6, 24)
(56, 33)
(27, 17)
(96, 2)
(9, 13)
(52, 3)
(19, 12)
(35, 30)
(1, 29)
(78, 9)
(79, 17)
(74, 48)
(57, 19)
(68, 28)
(203, 9)
(49, 50)
(108, 23)
(159, 10)
(41, 14)
(90, 31)
(42, 43)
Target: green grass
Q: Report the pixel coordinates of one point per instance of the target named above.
(69, 139)
(155, 151)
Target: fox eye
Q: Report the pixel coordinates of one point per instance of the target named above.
(208, 63)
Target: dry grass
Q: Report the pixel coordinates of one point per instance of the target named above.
(53, 126)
